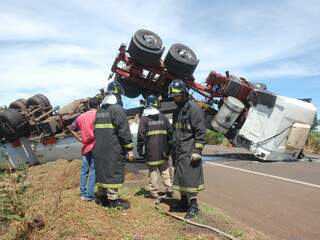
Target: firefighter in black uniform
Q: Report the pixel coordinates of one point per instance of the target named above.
(189, 134)
(112, 143)
(155, 134)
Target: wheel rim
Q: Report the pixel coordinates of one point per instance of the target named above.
(150, 39)
(185, 54)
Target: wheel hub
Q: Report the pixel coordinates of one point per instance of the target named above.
(149, 39)
(184, 53)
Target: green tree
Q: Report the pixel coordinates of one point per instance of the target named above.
(315, 123)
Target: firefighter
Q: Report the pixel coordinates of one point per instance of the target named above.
(113, 141)
(188, 141)
(154, 134)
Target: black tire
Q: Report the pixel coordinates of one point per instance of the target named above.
(13, 124)
(20, 104)
(35, 101)
(39, 100)
(148, 39)
(130, 88)
(45, 100)
(146, 48)
(181, 61)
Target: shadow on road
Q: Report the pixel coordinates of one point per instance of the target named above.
(230, 157)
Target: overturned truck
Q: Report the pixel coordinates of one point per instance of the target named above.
(272, 127)
(32, 131)
(38, 133)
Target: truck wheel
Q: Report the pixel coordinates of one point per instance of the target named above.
(39, 100)
(20, 104)
(131, 89)
(181, 61)
(13, 124)
(45, 100)
(35, 101)
(146, 48)
(148, 39)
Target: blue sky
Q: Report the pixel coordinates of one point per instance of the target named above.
(65, 49)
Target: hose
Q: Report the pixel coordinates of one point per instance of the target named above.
(198, 224)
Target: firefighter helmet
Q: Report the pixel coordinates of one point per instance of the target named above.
(152, 101)
(177, 87)
(115, 88)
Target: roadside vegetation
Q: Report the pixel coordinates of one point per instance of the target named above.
(13, 204)
(216, 138)
(313, 143)
(43, 202)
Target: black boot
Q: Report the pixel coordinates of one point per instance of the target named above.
(101, 200)
(193, 209)
(119, 203)
(182, 204)
(169, 194)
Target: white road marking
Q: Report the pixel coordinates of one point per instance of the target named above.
(266, 175)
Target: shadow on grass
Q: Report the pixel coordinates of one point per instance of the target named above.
(172, 203)
(141, 193)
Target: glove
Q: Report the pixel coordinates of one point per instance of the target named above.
(130, 155)
(195, 157)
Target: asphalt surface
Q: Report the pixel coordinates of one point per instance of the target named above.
(280, 199)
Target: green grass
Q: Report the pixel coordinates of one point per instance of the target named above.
(114, 212)
(13, 187)
(215, 212)
(238, 233)
(314, 141)
(215, 138)
(200, 237)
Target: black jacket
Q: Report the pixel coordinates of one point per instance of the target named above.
(112, 141)
(155, 133)
(188, 137)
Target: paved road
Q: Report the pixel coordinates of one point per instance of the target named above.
(282, 202)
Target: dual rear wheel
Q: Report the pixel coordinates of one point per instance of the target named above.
(13, 121)
(146, 49)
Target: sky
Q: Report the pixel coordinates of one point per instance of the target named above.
(65, 49)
